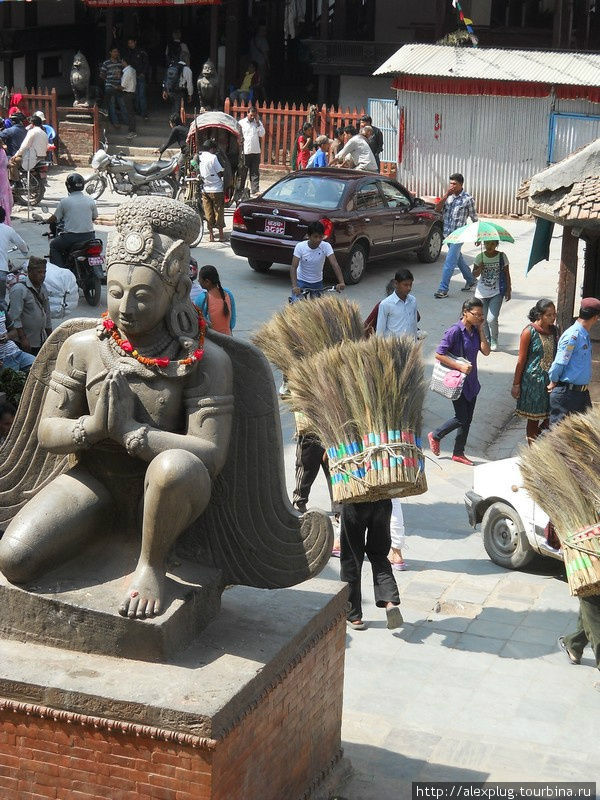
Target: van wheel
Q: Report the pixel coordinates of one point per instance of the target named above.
(260, 266)
(357, 265)
(504, 537)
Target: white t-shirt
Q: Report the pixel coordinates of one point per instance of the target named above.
(209, 169)
(129, 79)
(310, 268)
(488, 284)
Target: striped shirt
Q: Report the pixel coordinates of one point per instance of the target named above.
(457, 209)
(111, 72)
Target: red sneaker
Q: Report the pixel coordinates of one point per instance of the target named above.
(463, 460)
(434, 444)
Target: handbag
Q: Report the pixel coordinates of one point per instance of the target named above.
(447, 381)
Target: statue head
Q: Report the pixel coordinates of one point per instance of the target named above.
(208, 70)
(80, 61)
(148, 259)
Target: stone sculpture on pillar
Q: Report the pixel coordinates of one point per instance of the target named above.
(80, 80)
(141, 423)
(208, 87)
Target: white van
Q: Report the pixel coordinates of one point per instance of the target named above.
(512, 525)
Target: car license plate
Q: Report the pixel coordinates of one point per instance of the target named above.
(276, 226)
(95, 261)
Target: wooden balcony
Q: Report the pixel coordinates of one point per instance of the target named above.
(337, 57)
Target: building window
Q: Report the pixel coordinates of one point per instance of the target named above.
(52, 67)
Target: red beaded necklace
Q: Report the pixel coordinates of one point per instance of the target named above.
(126, 346)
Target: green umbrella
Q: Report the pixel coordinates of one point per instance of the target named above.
(479, 232)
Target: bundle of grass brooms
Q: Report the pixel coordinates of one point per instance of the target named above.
(362, 398)
(308, 326)
(561, 471)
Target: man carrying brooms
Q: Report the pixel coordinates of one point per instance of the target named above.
(570, 375)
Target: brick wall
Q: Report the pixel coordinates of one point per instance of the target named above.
(285, 743)
(76, 143)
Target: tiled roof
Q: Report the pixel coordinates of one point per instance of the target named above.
(482, 63)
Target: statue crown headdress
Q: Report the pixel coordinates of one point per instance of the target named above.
(154, 232)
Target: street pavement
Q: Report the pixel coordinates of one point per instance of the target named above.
(472, 687)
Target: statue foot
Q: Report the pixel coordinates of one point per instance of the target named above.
(145, 595)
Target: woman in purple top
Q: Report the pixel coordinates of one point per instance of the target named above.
(466, 339)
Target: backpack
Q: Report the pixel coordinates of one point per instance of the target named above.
(173, 77)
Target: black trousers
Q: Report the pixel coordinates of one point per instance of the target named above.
(463, 416)
(588, 628)
(60, 245)
(309, 460)
(129, 99)
(365, 530)
(564, 401)
(253, 163)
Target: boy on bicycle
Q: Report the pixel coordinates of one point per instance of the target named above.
(309, 259)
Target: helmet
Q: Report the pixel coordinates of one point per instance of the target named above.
(40, 114)
(74, 182)
(17, 117)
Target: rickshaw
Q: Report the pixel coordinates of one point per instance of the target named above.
(228, 135)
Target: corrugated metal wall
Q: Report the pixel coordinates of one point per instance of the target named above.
(496, 142)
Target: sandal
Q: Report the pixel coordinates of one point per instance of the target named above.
(357, 624)
(399, 565)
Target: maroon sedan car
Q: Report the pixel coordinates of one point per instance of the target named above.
(366, 217)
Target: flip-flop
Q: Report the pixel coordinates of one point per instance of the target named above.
(356, 624)
(336, 552)
(394, 617)
(399, 565)
(571, 656)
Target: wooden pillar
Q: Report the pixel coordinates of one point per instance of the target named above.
(567, 279)
(232, 14)
(214, 33)
(323, 34)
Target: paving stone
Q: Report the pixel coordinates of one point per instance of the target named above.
(497, 630)
(479, 644)
(535, 635)
(524, 650)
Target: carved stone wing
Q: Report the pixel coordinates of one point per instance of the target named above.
(249, 529)
(24, 467)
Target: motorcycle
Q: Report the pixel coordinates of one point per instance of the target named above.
(126, 177)
(32, 194)
(86, 262)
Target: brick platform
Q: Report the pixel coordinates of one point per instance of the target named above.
(249, 718)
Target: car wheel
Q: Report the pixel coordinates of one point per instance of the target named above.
(260, 266)
(357, 264)
(504, 537)
(430, 251)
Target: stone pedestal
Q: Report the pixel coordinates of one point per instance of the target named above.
(251, 711)
(76, 140)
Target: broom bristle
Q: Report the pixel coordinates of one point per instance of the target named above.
(308, 326)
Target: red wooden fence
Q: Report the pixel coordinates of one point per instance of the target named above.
(36, 100)
(282, 124)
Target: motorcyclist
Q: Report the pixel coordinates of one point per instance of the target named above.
(12, 138)
(77, 212)
(36, 140)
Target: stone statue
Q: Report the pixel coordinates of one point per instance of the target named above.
(147, 426)
(80, 80)
(208, 87)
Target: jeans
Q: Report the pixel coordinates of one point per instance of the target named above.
(141, 102)
(252, 161)
(19, 361)
(117, 113)
(491, 313)
(314, 287)
(565, 401)
(463, 415)
(454, 258)
(372, 519)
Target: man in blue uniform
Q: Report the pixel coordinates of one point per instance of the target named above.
(571, 370)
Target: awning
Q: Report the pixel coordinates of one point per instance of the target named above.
(139, 3)
(540, 246)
